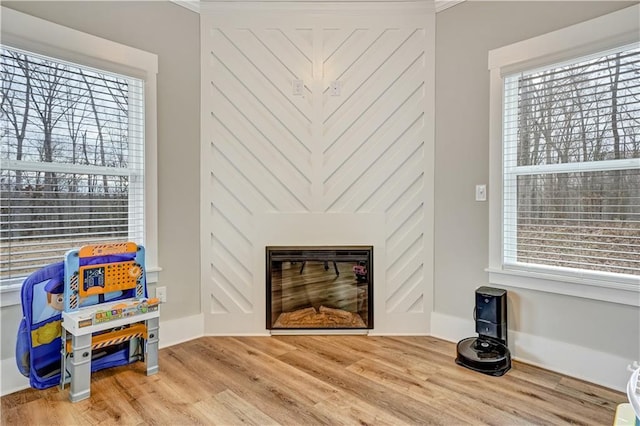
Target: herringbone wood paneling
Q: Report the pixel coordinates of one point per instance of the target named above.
(268, 151)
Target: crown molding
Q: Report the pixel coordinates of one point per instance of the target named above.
(195, 5)
(446, 4)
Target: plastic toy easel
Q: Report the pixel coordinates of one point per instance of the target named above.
(120, 267)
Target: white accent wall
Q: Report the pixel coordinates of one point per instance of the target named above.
(315, 168)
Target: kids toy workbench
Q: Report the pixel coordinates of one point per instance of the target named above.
(98, 315)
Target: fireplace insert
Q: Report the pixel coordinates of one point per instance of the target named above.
(319, 287)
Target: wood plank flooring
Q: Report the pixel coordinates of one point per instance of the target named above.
(317, 380)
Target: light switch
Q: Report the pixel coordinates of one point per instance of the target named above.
(481, 192)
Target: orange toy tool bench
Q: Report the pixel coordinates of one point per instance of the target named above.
(90, 322)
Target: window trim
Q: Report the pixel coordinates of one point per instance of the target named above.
(37, 35)
(600, 34)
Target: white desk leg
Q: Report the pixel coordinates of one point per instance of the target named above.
(80, 368)
(63, 358)
(153, 335)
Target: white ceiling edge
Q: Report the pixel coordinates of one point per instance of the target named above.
(446, 4)
(194, 5)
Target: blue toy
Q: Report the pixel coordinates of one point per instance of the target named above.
(39, 343)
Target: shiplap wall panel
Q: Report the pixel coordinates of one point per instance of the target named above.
(362, 175)
(265, 150)
(408, 170)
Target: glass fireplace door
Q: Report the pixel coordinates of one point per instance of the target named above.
(319, 287)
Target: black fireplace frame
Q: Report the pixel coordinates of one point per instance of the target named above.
(322, 254)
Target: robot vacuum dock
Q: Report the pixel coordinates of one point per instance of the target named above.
(488, 353)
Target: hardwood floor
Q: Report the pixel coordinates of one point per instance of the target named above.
(308, 380)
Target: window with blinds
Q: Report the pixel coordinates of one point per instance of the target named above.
(72, 160)
(571, 156)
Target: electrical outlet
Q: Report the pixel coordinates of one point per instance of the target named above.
(297, 87)
(335, 88)
(161, 294)
(481, 192)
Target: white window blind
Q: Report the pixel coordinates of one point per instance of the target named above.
(72, 160)
(571, 156)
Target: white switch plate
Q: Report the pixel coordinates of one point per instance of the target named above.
(335, 87)
(161, 294)
(297, 87)
(481, 192)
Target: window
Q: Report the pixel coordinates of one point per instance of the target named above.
(72, 154)
(77, 147)
(569, 146)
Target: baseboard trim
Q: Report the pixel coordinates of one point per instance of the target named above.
(549, 354)
(265, 334)
(172, 332)
(10, 378)
(387, 334)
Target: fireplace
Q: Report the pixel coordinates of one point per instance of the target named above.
(325, 288)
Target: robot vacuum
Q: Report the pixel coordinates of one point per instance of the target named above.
(488, 353)
(484, 355)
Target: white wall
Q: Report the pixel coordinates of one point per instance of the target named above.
(317, 169)
(171, 32)
(585, 338)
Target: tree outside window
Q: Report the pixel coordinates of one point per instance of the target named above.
(72, 160)
(571, 153)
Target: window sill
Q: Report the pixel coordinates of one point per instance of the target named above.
(625, 293)
(10, 294)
